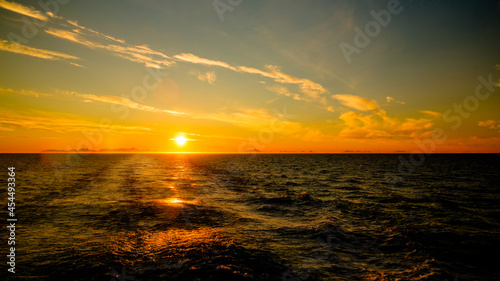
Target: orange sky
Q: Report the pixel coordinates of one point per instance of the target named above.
(264, 77)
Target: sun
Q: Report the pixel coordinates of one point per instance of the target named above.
(180, 140)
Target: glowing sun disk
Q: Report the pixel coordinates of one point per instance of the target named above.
(180, 140)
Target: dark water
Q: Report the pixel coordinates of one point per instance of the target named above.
(262, 217)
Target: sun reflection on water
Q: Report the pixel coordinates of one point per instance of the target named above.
(173, 201)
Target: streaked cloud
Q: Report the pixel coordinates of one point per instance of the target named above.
(61, 125)
(122, 101)
(356, 102)
(304, 72)
(431, 113)
(71, 36)
(155, 59)
(141, 54)
(24, 92)
(34, 52)
(313, 90)
(307, 86)
(108, 37)
(197, 60)
(23, 10)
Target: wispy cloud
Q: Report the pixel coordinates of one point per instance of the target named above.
(122, 101)
(490, 124)
(250, 118)
(108, 37)
(431, 113)
(23, 10)
(391, 99)
(209, 77)
(313, 90)
(140, 54)
(74, 31)
(24, 92)
(308, 87)
(197, 60)
(61, 124)
(356, 102)
(34, 52)
(87, 37)
(71, 36)
(156, 59)
(257, 119)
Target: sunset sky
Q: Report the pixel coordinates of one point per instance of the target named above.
(238, 76)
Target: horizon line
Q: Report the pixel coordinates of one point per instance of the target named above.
(242, 153)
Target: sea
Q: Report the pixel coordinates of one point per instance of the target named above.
(288, 217)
